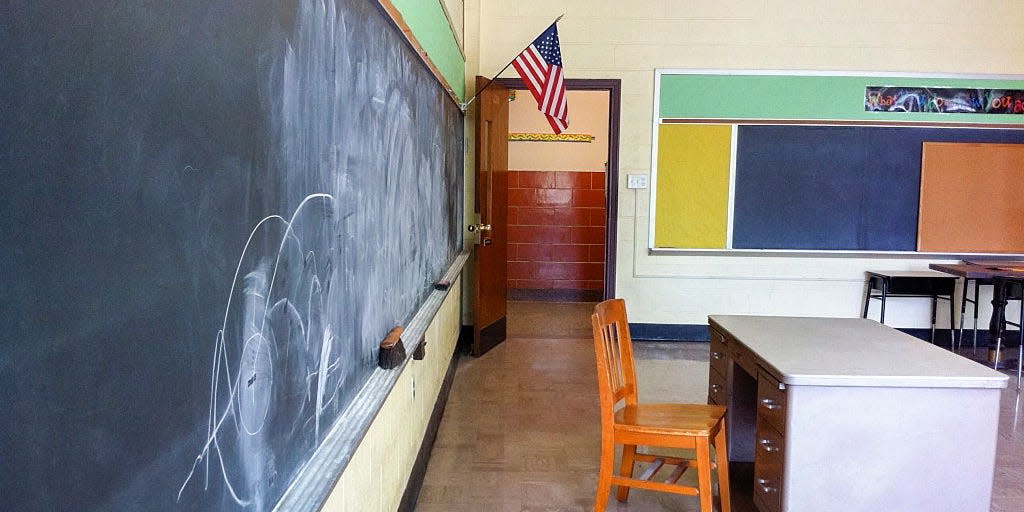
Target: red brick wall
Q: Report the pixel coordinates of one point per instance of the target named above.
(556, 230)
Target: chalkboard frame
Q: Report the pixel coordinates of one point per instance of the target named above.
(751, 111)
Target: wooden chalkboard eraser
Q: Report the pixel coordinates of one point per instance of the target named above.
(392, 353)
(443, 284)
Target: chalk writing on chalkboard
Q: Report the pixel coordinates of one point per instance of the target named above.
(296, 380)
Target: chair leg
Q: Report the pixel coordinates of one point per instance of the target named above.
(722, 459)
(604, 475)
(704, 474)
(626, 470)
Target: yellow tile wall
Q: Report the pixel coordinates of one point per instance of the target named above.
(629, 40)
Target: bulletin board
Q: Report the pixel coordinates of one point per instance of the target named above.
(759, 161)
(972, 198)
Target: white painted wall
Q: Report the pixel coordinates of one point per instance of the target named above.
(629, 40)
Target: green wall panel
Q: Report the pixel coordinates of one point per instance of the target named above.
(806, 97)
(430, 26)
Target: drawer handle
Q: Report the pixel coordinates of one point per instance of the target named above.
(716, 355)
(715, 388)
(768, 445)
(765, 488)
(770, 404)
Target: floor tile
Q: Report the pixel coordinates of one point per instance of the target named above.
(521, 429)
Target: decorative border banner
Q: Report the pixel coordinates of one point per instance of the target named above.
(550, 137)
(957, 100)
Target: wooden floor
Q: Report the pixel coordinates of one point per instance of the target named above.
(520, 432)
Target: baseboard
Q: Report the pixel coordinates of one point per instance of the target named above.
(465, 342)
(699, 332)
(419, 468)
(669, 332)
(554, 295)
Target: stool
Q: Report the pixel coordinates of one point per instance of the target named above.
(912, 283)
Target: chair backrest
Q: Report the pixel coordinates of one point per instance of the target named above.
(616, 375)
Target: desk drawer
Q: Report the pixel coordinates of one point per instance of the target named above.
(768, 457)
(717, 392)
(719, 354)
(771, 401)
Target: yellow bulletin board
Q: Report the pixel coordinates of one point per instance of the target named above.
(692, 197)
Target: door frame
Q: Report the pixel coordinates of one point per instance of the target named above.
(611, 179)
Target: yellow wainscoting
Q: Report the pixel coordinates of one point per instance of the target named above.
(376, 476)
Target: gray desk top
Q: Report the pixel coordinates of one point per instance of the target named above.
(852, 352)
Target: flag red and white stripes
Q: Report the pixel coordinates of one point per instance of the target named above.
(540, 67)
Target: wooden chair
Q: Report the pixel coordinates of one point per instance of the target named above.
(687, 426)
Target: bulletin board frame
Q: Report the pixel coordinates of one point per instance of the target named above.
(747, 99)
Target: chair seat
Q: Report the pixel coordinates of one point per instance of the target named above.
(670, 419)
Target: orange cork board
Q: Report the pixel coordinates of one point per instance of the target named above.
(972, 198)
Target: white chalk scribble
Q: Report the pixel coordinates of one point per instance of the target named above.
(272, 356)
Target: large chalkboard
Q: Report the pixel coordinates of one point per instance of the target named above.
(211, 213)
(835, 187)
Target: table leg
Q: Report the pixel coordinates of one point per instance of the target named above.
(1020, 347)
(997, 325)
(885, 292)
(963, 310)
(867, 297)
(935, 305)
(952, 313)
(975, 305)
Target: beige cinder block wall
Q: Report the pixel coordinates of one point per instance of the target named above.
(629, 40)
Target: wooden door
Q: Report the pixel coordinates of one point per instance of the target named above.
(490, 259)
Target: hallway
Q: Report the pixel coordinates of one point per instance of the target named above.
(520, 432)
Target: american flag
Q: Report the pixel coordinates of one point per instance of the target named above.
(540, 67)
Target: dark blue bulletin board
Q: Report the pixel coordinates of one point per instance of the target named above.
(835, 187)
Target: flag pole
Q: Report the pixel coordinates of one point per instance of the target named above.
(465, 106)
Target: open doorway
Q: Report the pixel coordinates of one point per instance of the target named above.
(562, 196)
